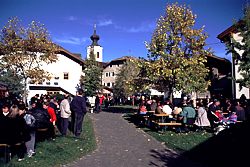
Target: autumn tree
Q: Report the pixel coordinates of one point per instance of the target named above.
(91, 81)
(241, 48)
(177, 54)
(124, 82)
(25, 50)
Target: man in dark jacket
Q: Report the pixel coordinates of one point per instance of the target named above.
(78, 109)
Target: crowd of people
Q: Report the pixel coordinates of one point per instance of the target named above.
(204, 114)
(20, 123)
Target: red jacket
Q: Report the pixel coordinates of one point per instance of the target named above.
(52, 115)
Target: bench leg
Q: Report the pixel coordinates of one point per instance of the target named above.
(7, 154)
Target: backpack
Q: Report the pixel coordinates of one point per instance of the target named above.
(30, 121)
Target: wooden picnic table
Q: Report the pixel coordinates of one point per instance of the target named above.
(161, 117)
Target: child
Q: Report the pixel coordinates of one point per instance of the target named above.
(232, 118)
(30, 121)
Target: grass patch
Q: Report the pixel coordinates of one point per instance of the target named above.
(180, 142)
(61, 151)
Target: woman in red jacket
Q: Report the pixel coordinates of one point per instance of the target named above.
(52, 115)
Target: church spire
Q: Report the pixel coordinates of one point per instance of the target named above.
(94, 37)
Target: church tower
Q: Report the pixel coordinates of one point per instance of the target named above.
(95, 47)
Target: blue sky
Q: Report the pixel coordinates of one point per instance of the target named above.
(123, 25)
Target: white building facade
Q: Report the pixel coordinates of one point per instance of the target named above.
(65, 75)
(227, 36)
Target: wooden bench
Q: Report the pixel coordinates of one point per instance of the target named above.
(164, 125)
(168, 124)
(42, 130)
(41, 134)
(6, 151)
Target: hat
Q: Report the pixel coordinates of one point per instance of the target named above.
(177, 110)
(216, 100)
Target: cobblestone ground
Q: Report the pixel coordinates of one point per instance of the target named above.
(121, 144)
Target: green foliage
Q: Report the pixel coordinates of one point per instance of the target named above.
(177, 56)
(125, 83)
(14, 82)
(243, 59)
(91, 81)
(25, 50)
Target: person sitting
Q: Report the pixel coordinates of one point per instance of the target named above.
(232, 119)
(153, 105)
(201, 119)
(166, 108)
(188, 116)
(240, 111)
(159, 108)
(212, 109)
(143, 109)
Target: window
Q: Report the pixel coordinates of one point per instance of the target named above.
(113, 84)
(117, 65)
(108, 84)
(113, 73)
(56, 77)
(107, 74)
(66, 75)
(110, 65)
(97, 55)
(55, 83)
(47, 83)
(104, 84)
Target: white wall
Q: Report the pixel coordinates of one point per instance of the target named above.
(96, 49)
(57, 69)
(244, 90)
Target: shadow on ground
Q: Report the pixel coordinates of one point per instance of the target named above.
(171, 159)
(121, 109)
(229, 148)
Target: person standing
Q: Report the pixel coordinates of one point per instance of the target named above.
(65, 114)
(97, 104)
(52, 119)
(78, 109)
(30, 122)
(101, 100)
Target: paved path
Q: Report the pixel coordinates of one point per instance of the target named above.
(121, 144)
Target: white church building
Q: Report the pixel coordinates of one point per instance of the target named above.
(66, 71)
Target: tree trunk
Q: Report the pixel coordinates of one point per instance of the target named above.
(168, 93)
(25, 92)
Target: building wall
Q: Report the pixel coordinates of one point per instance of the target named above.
(57, 70)
(244, 90)
(97, 51)
(109, 74)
